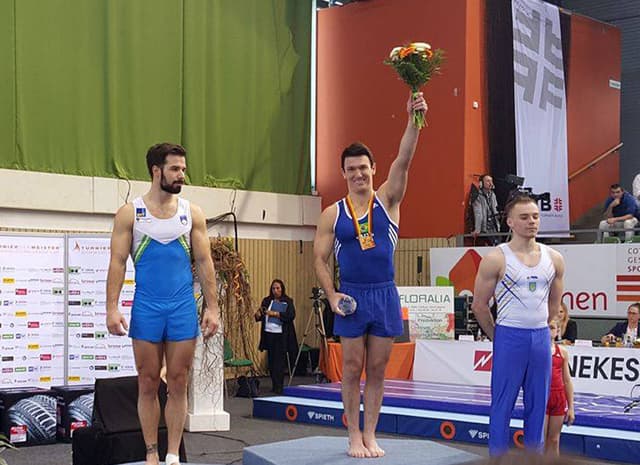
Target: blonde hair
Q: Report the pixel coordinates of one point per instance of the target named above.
(564, 320)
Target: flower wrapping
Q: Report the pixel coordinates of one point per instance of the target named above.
(415, 64)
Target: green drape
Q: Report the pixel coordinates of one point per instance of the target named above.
(92, 84)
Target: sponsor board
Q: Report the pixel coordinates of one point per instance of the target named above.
(595, 370)
(602, 291)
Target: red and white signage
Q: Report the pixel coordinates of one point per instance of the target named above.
(600, 281)
(596, 370)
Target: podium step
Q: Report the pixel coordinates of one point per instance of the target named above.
(320, 450)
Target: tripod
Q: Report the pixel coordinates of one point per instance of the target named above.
(318, 325)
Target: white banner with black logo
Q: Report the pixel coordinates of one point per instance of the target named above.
(595, 370)
(540, 109)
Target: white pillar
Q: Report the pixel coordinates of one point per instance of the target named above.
(206, 410)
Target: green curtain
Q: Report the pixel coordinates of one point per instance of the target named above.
(95, 83)
(8, 156)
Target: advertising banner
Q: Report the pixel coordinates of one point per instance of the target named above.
(596, 370)
(32, 336)
(541, 109)
(93, 352)
(600, 280)
(430, 311)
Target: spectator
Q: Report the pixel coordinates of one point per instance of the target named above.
(277, 330)
(620, 211)
(568, 327)
(626, 330)
(485, 211)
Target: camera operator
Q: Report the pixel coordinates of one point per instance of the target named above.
(485, 211)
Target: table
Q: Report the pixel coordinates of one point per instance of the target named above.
(597, 370)
(400, 364)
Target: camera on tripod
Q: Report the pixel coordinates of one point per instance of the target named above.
(515, 184)
(316, 293)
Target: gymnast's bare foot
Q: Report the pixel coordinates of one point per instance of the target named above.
(356, 447)
(372, 446)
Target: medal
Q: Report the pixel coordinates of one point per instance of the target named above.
(364, 232)
(366, 242)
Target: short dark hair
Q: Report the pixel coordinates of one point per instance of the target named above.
(636, 305)
(517, 198)
(157, 154)
(357, 149)
(615, 186)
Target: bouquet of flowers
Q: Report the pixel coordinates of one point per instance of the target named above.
(415, 64)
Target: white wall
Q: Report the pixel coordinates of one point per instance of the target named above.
(47, 201)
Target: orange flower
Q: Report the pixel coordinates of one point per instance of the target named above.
(407, 51)
(428, 52)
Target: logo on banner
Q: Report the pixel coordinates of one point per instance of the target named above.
(482, 360)
(462, 275)
(557, 204)
(320, 416)
(626, 285)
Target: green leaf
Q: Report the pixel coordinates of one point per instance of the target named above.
(443, 281)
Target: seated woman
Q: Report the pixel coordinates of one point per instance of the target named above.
(568, 327)
(276, 314)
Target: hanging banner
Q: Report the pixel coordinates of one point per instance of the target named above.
(430, 311)
(540, 109)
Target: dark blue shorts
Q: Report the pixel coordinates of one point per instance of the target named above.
(156, 320)
(378, 311)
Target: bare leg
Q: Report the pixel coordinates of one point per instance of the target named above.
(179, 360)
(352, 362)
(378, 351)
(148, 358)
(552, 438)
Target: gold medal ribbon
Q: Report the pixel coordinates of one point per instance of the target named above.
(356, 225)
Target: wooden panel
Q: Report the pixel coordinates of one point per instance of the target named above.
(292, 261)
(406, 259)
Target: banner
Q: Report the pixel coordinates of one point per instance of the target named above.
(596, 370)
(600, 280)
(540, 108)
(32, 337)
(40, 344)
(93, 352)
(430, 311)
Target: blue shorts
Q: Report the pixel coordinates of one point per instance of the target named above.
(156, 320)
(378, 311)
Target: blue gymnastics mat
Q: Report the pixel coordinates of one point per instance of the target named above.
(461, 413)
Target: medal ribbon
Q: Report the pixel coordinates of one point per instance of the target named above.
(355, 219)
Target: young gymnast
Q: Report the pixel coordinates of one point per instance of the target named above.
(560, 404)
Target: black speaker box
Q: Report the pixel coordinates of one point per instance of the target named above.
(115, 435)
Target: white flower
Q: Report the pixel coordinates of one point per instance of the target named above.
(421, 46)
(394, 53)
